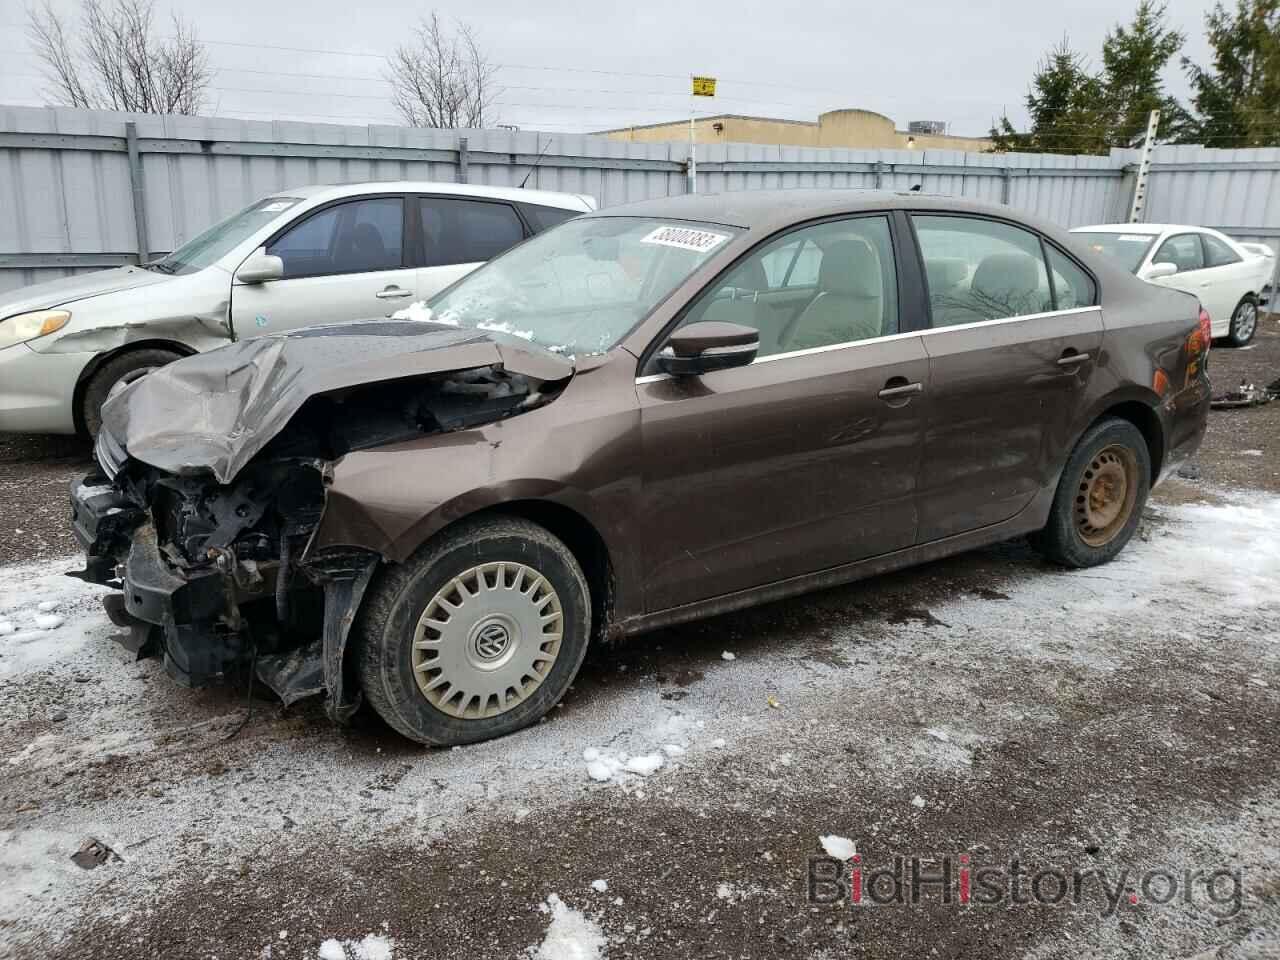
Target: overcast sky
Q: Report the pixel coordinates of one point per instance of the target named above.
(574, 66)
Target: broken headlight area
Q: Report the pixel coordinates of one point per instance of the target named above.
(221, 578)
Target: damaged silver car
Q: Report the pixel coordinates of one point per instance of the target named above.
(304, 256)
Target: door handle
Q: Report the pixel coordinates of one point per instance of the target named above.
(903, 390)
(1206, 283)
(393, 293)
(1071, 359)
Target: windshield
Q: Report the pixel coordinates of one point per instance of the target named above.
(580, 287)
(202, 251)
(1128, 248)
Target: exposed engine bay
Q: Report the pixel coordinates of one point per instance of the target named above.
(220, 577)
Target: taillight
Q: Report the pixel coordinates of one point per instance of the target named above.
(1200, 339)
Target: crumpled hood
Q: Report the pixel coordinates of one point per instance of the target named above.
(213, 411)
(57, 293)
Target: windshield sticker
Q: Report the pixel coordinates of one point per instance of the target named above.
(277, 205)
(1134, 238)
(700, 241)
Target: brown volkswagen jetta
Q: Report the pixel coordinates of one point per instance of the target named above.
(652, 413)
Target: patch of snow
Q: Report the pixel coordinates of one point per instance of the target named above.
(332, 950)
(591, 754)
(724, 891)
(728, 656)
(570, 936)
(374, 947)
(418, 312)
(645, 765)
(673, 750)
(842, 848)
(47, 606)
(600, 886)
(719, 743)
(918, 802)
(49, 621)
(501, 326)
(1250, 453)
(599, 770)
(7, 628)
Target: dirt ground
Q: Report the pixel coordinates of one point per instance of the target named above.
(1118, 724)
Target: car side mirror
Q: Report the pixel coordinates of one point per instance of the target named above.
(709, 345)
(1161, 269)
(260, 267)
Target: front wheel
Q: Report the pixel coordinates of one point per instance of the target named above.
(1100, 496)
(122, 369)
(478, 635)
(1244, 322)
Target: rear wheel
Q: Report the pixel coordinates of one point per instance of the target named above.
(121, 369)
(476, 636)
(1100, 496)
(1244, 322)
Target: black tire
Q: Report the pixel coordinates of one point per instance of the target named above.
(389, 617)
(123, 367)
(1244, 321)
(1068, 538)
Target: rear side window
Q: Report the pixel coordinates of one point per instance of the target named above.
(467, 231)
(1183, 251)
(1071, 285)
(356, 237)
(981, 270)
(544, 218)
(1217, 253)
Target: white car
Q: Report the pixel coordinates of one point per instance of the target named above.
(1233, 280)
(299, 257)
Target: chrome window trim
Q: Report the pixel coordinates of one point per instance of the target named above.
(654, 377)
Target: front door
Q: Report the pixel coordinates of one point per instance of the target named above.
(807, 458)
(346, 261)
(1009, 360)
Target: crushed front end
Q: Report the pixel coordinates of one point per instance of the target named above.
(206, 530)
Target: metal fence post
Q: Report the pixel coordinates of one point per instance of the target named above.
(879, 173)
(462, 159)
(139, 197)
(1006, 188)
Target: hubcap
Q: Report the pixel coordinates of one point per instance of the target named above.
(1106, 494)
(1246, 320)
(487, 640)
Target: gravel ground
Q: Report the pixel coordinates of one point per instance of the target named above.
(1116, 722)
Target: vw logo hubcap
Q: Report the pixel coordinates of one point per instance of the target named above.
(492, 641)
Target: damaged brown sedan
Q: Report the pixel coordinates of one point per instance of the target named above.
(645, 415)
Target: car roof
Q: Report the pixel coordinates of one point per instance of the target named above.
(546, 198)
(759, 208)
(1147, 229)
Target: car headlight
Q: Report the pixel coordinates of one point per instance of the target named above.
(29, 326)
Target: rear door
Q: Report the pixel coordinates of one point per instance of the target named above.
(1010, 355)
(344, 261)
(1210, 284)
(800, 461)
(1232, 275)
(459, 234)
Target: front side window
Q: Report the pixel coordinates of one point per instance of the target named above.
(1217, 253)
(981, 270)
(1183, 251)
(467, 231)
(357, 237)
(582, 287)
(209, 247)
(819, 286)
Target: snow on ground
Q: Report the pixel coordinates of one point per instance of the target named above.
(570, 935)
(191, 805)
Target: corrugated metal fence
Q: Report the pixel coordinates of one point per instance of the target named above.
(82, 190)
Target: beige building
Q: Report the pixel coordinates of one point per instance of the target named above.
(858, 129)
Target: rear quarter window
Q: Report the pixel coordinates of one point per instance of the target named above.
(544, 218)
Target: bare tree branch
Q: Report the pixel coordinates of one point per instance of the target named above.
(119, 62)
(442, 79)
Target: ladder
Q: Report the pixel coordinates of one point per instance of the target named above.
(1144, 169)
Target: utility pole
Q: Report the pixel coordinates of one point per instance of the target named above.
(1144, 169)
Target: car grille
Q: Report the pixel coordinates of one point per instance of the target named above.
(110, 453)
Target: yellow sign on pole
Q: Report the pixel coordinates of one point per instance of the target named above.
(704, 86)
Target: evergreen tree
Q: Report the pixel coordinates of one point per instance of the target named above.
(1067, 107)
(1238, 99)
(1133, 59)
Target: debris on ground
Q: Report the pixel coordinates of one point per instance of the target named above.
(93, 853)
(842, 848)
(571, 936)
(1246, 395)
